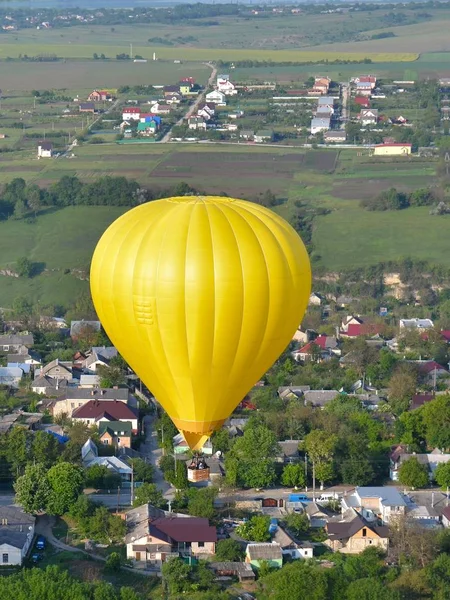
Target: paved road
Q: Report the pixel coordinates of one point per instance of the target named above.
(194, 106)
(153, 453)
(345, 87)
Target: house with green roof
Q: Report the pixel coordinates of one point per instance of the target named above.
(147, 129)
(115, 433)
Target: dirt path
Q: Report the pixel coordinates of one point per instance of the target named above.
(194, 106)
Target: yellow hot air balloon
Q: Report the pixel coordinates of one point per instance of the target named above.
(200, 295)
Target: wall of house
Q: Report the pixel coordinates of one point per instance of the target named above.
(208, 548)
(355, 545)
(277, 564)
(392, 151)
(14, 555)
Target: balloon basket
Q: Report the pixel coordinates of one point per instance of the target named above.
(198, 470)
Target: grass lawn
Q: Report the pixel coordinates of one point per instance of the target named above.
(354, 237)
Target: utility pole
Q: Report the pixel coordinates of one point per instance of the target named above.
(314, 479)
(132, 485)
(131, 50)
(118, 498)
(306, 472)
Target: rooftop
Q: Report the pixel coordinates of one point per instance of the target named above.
(389, 496)
(264, 551)
(174, 529)
(112, 410)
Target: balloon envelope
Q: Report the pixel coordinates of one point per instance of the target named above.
(200, 295)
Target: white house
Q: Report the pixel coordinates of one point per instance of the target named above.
(196, 123)
(372, 503)
(11, 376)
(45, 149)
(225, 86)
(89, 458)
(217, 97)
(320, 124)
(131, 114)
(160, 109)
(16, 534)
(416, 324)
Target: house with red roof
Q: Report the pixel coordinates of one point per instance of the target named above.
(363, 101)
(321, 348)
(96, 411)
(353, 327)
(100, 96)
(131, 113)
(419, 400)
(445, 333)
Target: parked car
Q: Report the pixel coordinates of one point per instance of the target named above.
(40, 542)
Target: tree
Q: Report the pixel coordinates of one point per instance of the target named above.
(257, 474)
(357, 471)
(45, 448)
(436, 419)
(299, 580)
(229, 550)
(66, 481)
(255, 529)
(148, 493)
(33, 488)
(113, 562)
(442, 475)
(22, 307)
(110, 376)
(413, 474)
(221, 440)
(293, 476)
(16, 449)
(20, 209)
(143, 471)
(24, 267)
(175, 575)
(297, 523)
(33, 194)
(370, 589)
(201, 502)
(258, 443)
(402, 387)
(102, 526)
(320, 447)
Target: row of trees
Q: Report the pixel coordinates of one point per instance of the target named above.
(392, 199)
(19, 199)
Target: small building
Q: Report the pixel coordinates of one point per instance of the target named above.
(16, 343)
(397, 149)
(118, 466)
(368, 116)
(320, 124)
(160, 109)
(147, 129)
(362, 101)
(226, 87)
(355, 535)
(99, 96)
(45, 149)
(247, 135)
(131, 114)
(115, 433)
(290, 548)
(416, 324)
(87, 107)
(264, 135)
(96, 411)
(11, 376)
(197, 123)
(217, 97)
(255, 554)
(243, 571)
(376, 503)
(430, 461)
(16, 534)
(335, 136)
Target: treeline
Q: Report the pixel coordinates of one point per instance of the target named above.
(290, 63)
(392, 199)
(19, 200)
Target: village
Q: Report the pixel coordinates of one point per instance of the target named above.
(300, 506)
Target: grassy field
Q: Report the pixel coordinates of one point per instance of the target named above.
(83, 75)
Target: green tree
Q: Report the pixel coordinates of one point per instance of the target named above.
(221, 441)
(22, 308)
(113, 562)
(357, 471)
(300, 580)
(201, 502)
(229, 550)
(33, 194)
(436, 420)
(442, 475)
(102, 526)
(148, 493)
(255, 529)
(175, 575)
(20, 209)
(110, 376)
(402, 387)
(16, 449)
(413, 474)
(66, 481)
(320, 446)
(24, 267)
(370, 589)
(257, 474)
(297, 523)
(293, 475)
(33, 488)
(45, 448)
(143, 471)
(258, 443)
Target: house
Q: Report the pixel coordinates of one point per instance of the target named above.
(366, 79)
(263, 135)
(322, 347)
(79, 328)
(372, 503)
(319, 398)
(431, 461)
(326, 102)
(350, 320)
(368, 116)
(172, 97)
(397, 149)
(255, 554)
(362, 101)
(430, 369)
(11, 376)
(147, 129)
(171, 89)
(115, 433)
(16, 344)
(315, 299)
(56, 369)
(289, 451)
(96, 411)
(75, 397)
(48, 386)
(118, 466)
(160, 109)
(185, 88)
(362, 329)
(180, 446)
(419, 400)
(247, 134)
(89, 452)
(317, 516)
(204, 113)
(197, 123)
(131, 114)
(217, 97)
(224, 85)
(99, 96)
(27, 358)
(243, 571)
(354, 535)
(324, 112)
(99, 356)
(45, 149)
(364, 88)
(151, 541)
(318, 125)
(335, 136)
(16, 534)
(87, 107)
(52, 322)
(446, 517)
(89, 381)
(416, 324)
(289, 547)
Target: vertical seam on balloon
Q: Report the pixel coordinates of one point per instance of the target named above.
(208, 209)
(185, 296)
